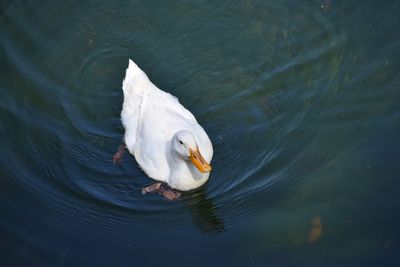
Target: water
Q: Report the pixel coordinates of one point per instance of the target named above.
(301, 101)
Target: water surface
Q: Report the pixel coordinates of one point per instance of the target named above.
(300, 99)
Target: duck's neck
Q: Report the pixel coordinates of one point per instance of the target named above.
(182, 173)
(178, 168)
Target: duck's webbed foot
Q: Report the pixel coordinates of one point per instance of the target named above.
(169, 193)
(118, 155)
(151, 188)
(162, 189)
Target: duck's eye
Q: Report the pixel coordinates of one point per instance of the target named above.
(181, 142)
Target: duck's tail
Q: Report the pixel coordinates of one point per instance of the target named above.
(135, 81)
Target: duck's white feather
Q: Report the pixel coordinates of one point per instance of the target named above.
(151, 117)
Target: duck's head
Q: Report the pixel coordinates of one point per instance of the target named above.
(184, 146)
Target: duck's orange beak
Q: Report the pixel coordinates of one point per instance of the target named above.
(198, 161)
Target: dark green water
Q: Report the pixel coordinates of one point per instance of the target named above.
(300, 98)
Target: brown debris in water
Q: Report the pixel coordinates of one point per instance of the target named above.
(315, 230)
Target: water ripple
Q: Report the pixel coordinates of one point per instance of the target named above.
(239, 93)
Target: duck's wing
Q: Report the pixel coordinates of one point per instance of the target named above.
(136, 86)
(137, 89)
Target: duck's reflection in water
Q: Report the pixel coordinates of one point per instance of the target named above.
(204, 212)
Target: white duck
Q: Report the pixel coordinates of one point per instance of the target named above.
(163, 136)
